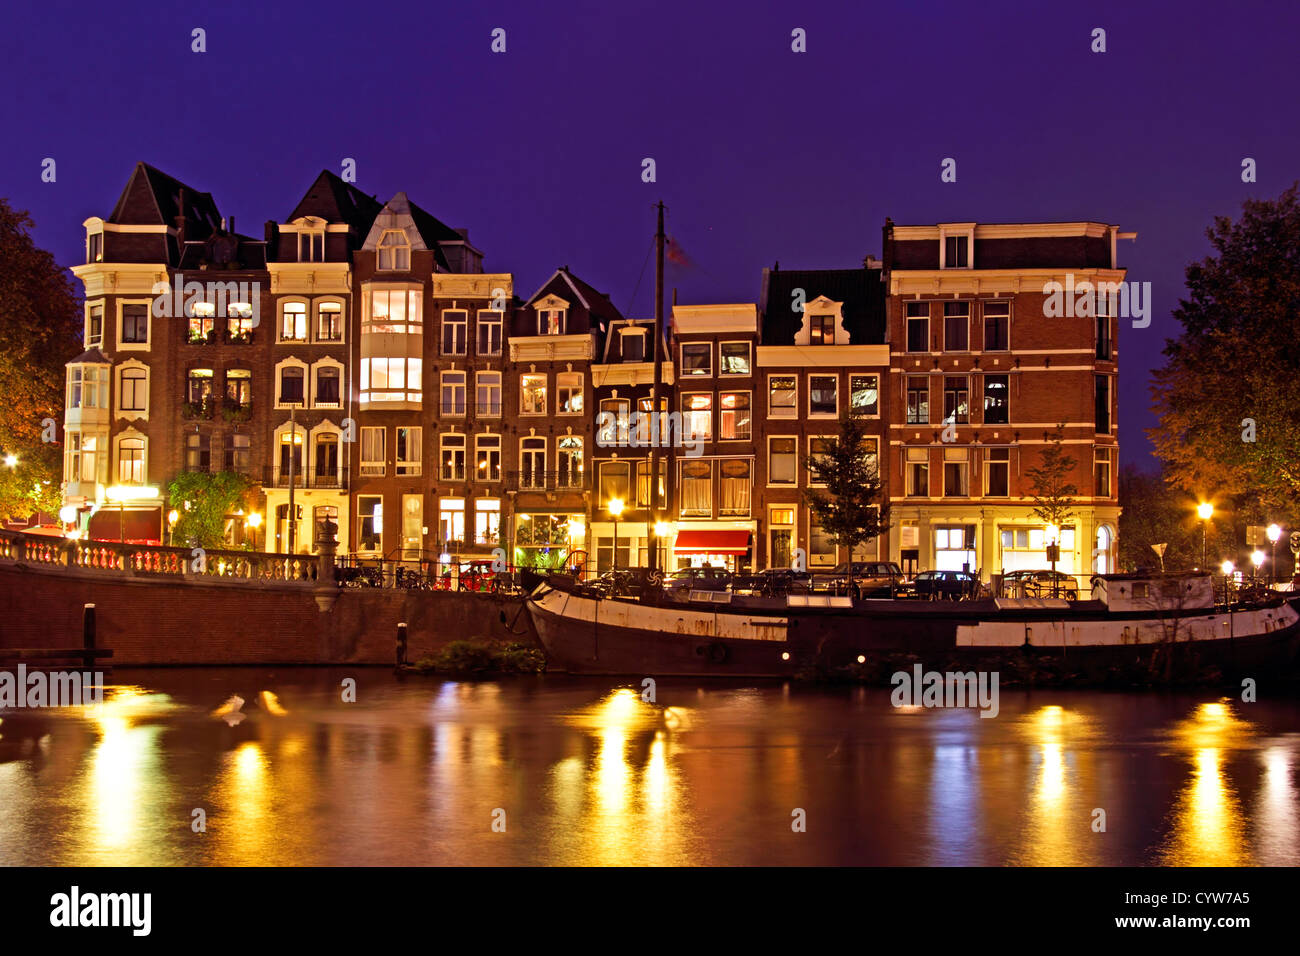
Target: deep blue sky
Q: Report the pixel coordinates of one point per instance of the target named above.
(762, 154)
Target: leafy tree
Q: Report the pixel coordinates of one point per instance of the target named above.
(40, 330)
(1050, 486)
(202, 501)
(1226, 398)
(1154, 512)
(849, 510)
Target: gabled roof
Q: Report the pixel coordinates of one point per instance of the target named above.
(564, 283)
(333, 200)
(152, 198)
(90, 357)
(612, 329)
(397, 213)
(861, 291)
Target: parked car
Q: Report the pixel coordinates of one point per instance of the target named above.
(863, 579)
(1038, 584)
(946, 585)
(705, 578)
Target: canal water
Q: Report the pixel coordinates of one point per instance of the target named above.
(556, 770)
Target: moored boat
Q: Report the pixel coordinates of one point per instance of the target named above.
(1166, 627)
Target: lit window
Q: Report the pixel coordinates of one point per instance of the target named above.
(409, 450)
(568, 393)
(532, 394)
(293, 322)
(734, 358)
(734, 416)
(782, 396)
(394, 251)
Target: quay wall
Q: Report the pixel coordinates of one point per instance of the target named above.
(162, 620)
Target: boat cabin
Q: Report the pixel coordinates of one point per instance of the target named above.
(1154, 591)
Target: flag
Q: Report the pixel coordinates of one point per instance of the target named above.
(676, 255)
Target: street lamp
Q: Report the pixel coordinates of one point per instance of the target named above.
(173, 516)
(1053, 551)
(124, 493)
(1257, 559)
(1204, 510)
(254, 521)
(11, 461)
(1227, 567)
(1274, 532)
(662, 530)
(615, 508)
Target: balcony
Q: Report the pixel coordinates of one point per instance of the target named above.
(547, 480)
(273, 477)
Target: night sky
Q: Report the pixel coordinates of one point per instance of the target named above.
(762, 154)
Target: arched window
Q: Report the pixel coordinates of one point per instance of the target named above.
(130, 461)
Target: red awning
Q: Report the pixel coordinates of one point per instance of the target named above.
(712, 541)
(143, 525)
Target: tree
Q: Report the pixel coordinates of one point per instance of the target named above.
(1050, 486)
(202, 501)
(1226, 398)
(1155, 512)
(848, 511)
(40, 330)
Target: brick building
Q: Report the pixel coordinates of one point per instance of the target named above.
(421, 405)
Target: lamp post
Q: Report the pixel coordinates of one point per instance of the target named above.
(254, 521)
(124, 493)
(173, 516)
(1053, 551)
(662, 530)
(293, 442)
(615, 509)
(1274, 532)
(1227, 567)
(1256, 560)
(1204, 511)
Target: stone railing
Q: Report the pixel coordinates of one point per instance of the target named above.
(135, 560)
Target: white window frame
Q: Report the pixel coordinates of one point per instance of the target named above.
(316, 367)
(134, 436)
(483, 380)
(119, 392)
(793, 409)
(454, 320)
(831, 375)
(291, 362)
(736, 391)
(749, 351)
(559, 403)
(401, 250)
(445, 382)
(318, 309)
(449, 443)
(373, 467)
(122, 344)
(480, 449)
(545, 393)
(681, 355)
(486, 319)
(768, 463)
(408, 467)
(281, 311)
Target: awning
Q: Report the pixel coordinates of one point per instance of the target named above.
(142, 525)
(712, 541)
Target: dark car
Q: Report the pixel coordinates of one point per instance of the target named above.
(945, 586)
(1039, 584)
(705, 578)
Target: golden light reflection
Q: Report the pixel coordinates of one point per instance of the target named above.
(631, 784)
(240, 825)
(1206, 826)
(1058, 827)
(123, 766)
(1277, 826)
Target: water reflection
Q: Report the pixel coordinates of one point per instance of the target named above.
(1206, 824)
(414, 772)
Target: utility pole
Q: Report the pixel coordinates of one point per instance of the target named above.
(656, 422)
(293, 437)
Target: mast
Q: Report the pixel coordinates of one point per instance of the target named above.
(656, 425)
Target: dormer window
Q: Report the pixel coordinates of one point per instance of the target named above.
(821, 329)
(955, 245)
(95, 247)
(394, 251)
(633, 343)
(550, 321)
(311, 246)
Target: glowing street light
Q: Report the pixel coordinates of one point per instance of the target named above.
(1274, 532)
(1227, 567)
(1204, 511)
(124, 493)
(615, 508)
(1257, 559)
(11, 461)
(254, 520)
